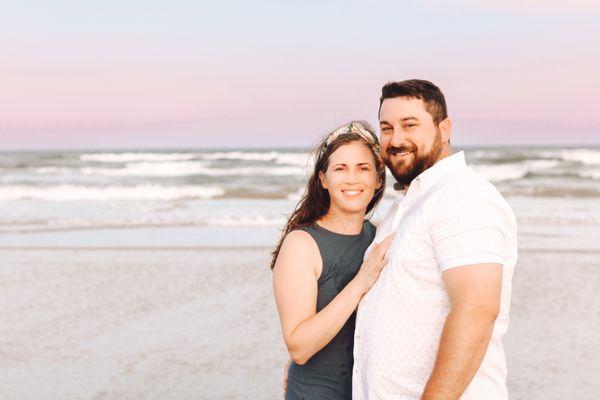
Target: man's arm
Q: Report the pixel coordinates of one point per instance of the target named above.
(474, 292)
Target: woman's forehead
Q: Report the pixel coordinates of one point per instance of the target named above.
(352, 153)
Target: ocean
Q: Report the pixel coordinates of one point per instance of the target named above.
(225, 197)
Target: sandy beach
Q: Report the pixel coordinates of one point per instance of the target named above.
(175, 323)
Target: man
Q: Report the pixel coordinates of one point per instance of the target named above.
(431, 327)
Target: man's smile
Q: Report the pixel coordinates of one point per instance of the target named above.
(401, 154)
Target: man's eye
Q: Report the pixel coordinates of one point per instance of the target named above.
(409, 125)
(387, 128)
(338, 169)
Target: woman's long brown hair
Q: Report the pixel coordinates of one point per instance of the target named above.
(315, 201)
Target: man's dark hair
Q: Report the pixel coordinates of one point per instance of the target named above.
(432, 96)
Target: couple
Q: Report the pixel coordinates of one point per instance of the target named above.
(415, 308)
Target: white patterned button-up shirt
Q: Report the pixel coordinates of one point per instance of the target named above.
(449, 217)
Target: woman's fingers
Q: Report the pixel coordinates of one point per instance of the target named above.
(382, 264)
(383, 247)
(388, 242)
(375, 262)
(374, 248)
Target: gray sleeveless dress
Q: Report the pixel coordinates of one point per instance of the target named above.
(328, 374)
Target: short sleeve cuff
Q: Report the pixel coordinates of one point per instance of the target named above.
(470, 259)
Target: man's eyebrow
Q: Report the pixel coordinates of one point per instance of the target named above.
(409, 118)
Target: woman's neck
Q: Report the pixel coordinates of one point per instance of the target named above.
(346, 224)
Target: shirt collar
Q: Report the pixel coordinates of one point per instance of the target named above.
(433, 174)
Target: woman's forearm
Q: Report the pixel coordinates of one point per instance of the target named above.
(317, 331)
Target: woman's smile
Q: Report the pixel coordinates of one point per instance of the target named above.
(352, 192)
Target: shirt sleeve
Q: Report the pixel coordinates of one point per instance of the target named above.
(469, 227)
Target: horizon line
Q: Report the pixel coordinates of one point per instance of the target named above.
(229, 148)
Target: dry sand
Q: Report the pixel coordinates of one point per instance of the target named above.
(201, 324)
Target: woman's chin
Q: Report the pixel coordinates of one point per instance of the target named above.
(353, 207)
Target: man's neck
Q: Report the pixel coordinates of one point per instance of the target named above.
(446, 152)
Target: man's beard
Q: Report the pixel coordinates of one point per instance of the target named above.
(405, 174)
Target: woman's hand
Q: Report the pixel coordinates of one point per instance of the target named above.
(372, 266)
(295, 284)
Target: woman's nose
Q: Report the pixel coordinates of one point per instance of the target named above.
(352, 177)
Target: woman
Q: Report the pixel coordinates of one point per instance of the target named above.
(318, 271)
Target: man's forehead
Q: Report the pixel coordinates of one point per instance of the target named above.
(401, 107)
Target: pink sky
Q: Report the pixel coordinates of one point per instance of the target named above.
(283, 76)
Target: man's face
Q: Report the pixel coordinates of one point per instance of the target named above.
(410, 141)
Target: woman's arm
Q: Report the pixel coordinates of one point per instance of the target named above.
(295, 275)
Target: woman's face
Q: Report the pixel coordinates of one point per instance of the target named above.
(351, 178)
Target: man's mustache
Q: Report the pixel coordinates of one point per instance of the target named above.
(392, 150)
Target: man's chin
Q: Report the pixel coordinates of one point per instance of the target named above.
(402, 172)
(401, 178)
(400, 168)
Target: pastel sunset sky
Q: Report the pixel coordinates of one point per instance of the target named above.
(181, 74)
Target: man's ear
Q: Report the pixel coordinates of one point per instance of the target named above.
(379, 183)
(323, 180)
(446, 130)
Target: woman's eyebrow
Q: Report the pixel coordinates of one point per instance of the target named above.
(344, 164)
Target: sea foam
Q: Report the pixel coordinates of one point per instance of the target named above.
(129, 157)
(298, 159)
(140, 192)
(584, 156)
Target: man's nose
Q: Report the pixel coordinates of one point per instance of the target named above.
(398, 137)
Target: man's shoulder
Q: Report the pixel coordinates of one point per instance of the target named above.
(467, 188)
(466, 182)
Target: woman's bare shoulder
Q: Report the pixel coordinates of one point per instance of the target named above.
(298, 247)
(299, 240)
